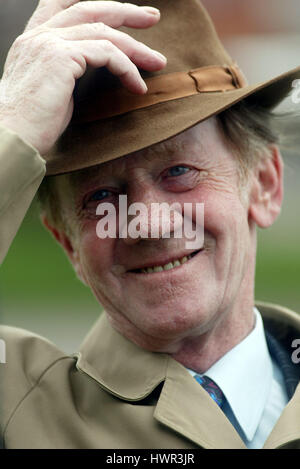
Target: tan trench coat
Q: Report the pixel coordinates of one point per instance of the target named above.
(112, 394)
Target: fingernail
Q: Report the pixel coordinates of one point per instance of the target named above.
(145, 86)
(161, 56)
(152, 11)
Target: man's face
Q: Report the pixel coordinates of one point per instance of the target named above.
(159, 308)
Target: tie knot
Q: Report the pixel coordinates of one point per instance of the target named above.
(210, 386)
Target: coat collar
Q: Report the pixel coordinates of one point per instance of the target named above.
(118, 365)
(132, 373)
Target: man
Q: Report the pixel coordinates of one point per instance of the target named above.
(172, 313)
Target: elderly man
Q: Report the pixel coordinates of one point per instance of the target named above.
(181, 358)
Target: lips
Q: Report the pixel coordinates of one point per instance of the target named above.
(176, 262)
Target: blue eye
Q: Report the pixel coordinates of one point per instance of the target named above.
(100, 195)
(177, 171)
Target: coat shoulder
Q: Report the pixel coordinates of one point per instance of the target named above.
(278, 314)
(24, 358)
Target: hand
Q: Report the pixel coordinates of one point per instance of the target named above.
(61, 39)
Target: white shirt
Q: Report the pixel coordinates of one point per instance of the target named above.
(253, 386)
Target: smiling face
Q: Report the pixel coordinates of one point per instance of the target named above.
(157, 292)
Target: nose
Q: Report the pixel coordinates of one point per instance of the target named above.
(149, 216)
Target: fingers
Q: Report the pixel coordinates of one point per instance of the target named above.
(105, 54)
(46, 9)
(87, 33)
(114, 14)
(139, 53)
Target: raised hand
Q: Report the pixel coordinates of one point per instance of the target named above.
(60, 40)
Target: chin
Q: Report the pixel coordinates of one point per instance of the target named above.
(172, 324)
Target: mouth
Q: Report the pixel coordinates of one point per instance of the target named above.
(174, 264)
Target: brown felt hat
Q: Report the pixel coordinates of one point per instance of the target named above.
(199, 81)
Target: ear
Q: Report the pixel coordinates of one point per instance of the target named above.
(65, 242)
(266, 194)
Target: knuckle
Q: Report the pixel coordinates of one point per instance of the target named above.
(103, 27)
(108, 46)
(130, 8)
(81, 7)
(128, 67)
(45, 40)
(77, 8)
(55, 49)
(125, 37)
(24, 42)
(84, 11)
(19, 41)
(99, 28)
(37, 41)
(48, 46)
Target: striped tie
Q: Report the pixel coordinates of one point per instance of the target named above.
(210, 386)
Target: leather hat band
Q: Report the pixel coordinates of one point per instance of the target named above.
(161, 88)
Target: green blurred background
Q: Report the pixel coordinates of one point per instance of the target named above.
(38, 288)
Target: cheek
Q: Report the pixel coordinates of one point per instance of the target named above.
(226, 226)
(222, 211)
(95, 253)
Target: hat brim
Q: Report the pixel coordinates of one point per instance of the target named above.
(88, 145)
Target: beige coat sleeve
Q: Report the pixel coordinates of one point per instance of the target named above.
(21, 172)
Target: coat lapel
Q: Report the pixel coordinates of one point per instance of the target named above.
(125, 370)
(132, 374)
(282, 327)
(185, 407)
(286, 433)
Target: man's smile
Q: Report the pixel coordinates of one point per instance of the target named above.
(169, 265)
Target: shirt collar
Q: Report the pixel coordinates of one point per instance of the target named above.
(245, 374)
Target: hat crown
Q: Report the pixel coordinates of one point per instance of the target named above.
(185, 34)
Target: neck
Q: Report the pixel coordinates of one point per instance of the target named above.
(233, 325)
(201, 349)
(200, 353)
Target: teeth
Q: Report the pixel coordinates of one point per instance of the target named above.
(169, 266)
